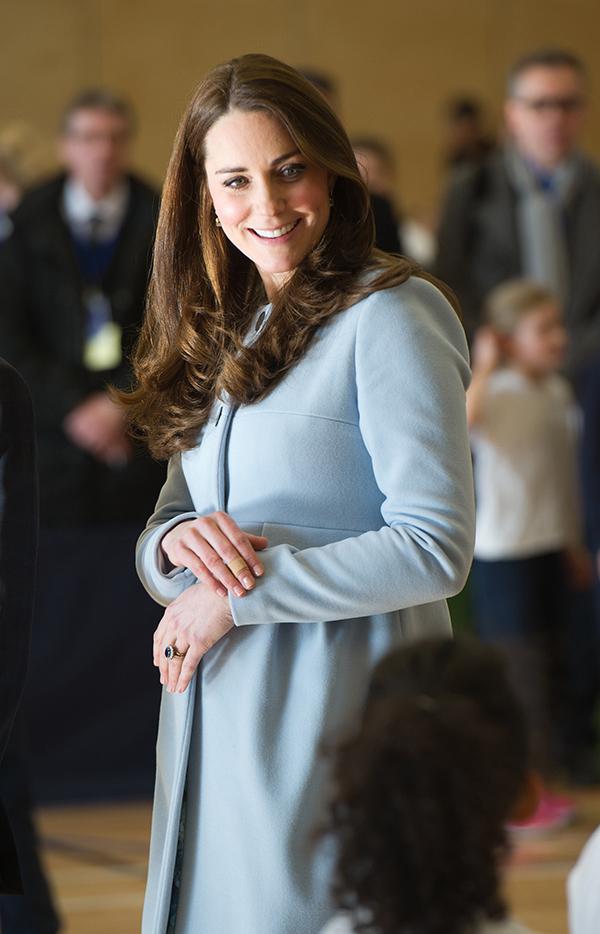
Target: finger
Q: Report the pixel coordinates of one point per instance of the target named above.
(166, 635)
(241, 542)
(202, 573)
(173, 669)
(163, 662)
(258, 542)
(190, 663)
(158, 640)
(216, 551)
(184, 555)
(173, 664)
(155, 650)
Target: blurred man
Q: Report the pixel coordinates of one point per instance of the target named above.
(533, 207)
(73, 277)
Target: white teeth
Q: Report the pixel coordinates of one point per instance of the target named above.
(277, 232)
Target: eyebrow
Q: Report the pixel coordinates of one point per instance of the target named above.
(286, 155)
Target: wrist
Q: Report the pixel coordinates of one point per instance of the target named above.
(482, 371)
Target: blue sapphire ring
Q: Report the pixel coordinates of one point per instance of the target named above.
(171, 652)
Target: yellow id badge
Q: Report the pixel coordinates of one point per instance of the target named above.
(102, 346)
(102, 351)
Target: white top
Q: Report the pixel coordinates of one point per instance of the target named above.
(583, 890)
(79, 208)
(526, 478)
(342, 924)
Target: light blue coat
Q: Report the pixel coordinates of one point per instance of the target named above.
(357, 469)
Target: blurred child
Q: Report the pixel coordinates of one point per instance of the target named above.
(424, 791)
(523, 423)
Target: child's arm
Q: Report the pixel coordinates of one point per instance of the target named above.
(486, 358)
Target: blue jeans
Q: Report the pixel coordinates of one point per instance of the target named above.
(521, 606)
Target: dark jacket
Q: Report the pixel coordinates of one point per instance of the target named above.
(588, 391)
(18, 542)
(479, 246)
(42, 324)
(386, 225)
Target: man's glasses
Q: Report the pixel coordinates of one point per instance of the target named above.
(542, 105)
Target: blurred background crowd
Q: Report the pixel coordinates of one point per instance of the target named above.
(491, 181)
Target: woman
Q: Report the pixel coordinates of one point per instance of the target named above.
(308, 389)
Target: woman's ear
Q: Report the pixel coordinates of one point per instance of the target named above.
(528, 798)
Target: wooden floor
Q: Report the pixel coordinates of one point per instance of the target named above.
(96, 859)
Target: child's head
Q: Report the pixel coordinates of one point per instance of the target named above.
(528, 322)
(425, 790)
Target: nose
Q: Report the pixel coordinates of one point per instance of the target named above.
(104, 150)
(269, 198)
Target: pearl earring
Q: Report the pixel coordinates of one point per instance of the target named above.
(330, 199)
(217, 221)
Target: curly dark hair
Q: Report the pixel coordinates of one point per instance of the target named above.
(424, 790)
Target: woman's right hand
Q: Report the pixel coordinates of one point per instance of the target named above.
(208, 544)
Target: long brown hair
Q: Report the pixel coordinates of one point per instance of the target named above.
(203, 291)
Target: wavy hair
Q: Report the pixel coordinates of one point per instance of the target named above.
(424, 790)
(203, 291)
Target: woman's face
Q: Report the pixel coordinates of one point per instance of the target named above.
(272, 203)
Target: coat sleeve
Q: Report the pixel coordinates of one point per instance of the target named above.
(411, 376)
(174, 505)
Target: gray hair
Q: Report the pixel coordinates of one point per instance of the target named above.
(544, 58)
(98, 99)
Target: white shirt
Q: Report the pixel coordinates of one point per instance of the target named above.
(342, 924)
(583, 889)
(526, 478)
(79, 208)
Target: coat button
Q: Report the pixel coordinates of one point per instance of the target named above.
(259, 321)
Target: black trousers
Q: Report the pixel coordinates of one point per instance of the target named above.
(33, 912)
(92, 696)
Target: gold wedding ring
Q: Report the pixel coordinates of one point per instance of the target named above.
(237, 565)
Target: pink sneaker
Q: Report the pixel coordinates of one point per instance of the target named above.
(552, 813)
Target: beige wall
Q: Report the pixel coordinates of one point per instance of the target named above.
(396, 61)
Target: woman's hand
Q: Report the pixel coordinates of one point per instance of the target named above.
(192, 624)
(208, 544)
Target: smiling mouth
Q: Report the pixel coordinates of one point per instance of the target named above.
(276, 233)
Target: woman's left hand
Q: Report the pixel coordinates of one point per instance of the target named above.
(193, 623)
